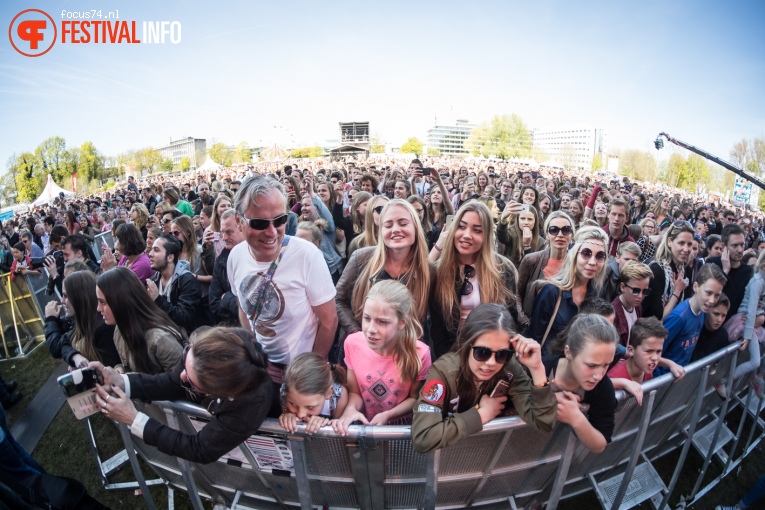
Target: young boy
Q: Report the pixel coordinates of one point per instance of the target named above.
(713, 336)
(634, 281)
(643, 356)
(625, 253)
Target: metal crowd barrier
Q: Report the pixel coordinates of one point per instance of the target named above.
(507, 465)
(22, 306)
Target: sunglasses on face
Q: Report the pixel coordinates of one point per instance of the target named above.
(176, 233)
(262, 223)
(166, 220)
(587, 254)
(187, 383)
(467, 286)
(482, 354)
(378, 209)
(636, 292)
(566, 231)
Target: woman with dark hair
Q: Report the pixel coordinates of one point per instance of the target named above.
(223, 370)
(639, 209)
(529, 196)
(129, 242)
(174, 199)
(518, 230)
(456, 399)
(86, 229)
(72, 225)
(146, 339)
(90, 339)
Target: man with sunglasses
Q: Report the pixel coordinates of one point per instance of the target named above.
(284, 287)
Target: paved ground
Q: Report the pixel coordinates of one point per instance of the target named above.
(34, 421)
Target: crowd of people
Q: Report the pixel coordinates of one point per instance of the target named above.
(440, 294)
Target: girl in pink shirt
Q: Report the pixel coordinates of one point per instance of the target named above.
(386, 362)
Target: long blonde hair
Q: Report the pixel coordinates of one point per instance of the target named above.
(565, 278)
(370, 229)
(397, 296)
(489, 266)
(417, 279)
(356, 218)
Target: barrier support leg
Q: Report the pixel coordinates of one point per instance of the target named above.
(755, 424)
(562, 474)
(297, 445)
(183, 464)
(645, 419)
(431, 479)
(128, 441)
(688, 440)
(738, 433)
(718, 427)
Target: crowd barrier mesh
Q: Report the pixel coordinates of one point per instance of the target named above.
(507, 465)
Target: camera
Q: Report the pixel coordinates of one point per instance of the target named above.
(426, 171)
(78, 386)
(38, 262)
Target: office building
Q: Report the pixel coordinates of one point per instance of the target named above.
(188, 147)
(573, 147)
(450, 140)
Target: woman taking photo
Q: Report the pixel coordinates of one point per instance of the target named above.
(130, 244)
(223, 370)
(400, 254)
(147, 340)
(579, 278)
(579, 378)
(487, 350)
(90, 339)
(540, 266)
(529, 196)
(469, 272)
(518, 230)
(671, 272)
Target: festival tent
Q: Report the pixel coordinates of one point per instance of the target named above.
(209, 165)
(51, 192)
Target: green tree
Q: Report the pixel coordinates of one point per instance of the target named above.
(638, 165)
(376, 146)
(28, 182)
(433, 152)
(166, 166)
(185, 164)
(307, 152)
(220, 153)
(146, 160)
(90, 163)
(242, 153)
(597, 162)
(504, 136)
(7, 189)
(412, 146)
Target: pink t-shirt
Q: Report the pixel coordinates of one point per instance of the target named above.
(620, 372)
(379, 382)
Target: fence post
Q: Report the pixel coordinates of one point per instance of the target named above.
(720, 421)
(128, 441)
(432, 465)
(297, 445)
(183, 464)
(689, 438)
(645, 419)
(562, 473)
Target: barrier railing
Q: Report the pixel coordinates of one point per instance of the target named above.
(507, 465)
(22, 303)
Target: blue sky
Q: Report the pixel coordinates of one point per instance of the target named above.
(693, 69)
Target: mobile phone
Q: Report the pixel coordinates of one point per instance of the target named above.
(448, 222)
(471, 179)
(500, 390)
(216, 236)
(525, 208)
(77, 386)
(426, 171)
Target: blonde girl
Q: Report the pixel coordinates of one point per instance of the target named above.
(386, 361)
(313, 392)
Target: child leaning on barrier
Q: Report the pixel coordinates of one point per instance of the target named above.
(586, 399)
(457, 401)
(386, 361)
(643, 356)
(312, 392)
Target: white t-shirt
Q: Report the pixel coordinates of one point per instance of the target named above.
(631, 319)
(287, 325)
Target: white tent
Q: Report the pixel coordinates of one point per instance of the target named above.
(209, 165)
(50, 192)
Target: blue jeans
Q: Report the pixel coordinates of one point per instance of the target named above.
(756, 493)
(14, 460)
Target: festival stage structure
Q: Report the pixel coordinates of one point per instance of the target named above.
(508, 465)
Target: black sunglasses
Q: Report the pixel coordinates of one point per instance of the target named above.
(587, 254)
(166, 220)
(636, 292)
(187, 383)
(567, 230)
(262, 223)
(482, 354)
(378, 209)
(467, 287)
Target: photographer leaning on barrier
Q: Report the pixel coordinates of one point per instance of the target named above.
(222, 370)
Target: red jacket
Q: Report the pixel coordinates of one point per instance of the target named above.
(620, 320)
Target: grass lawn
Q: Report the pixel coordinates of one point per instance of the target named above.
(65, 450)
